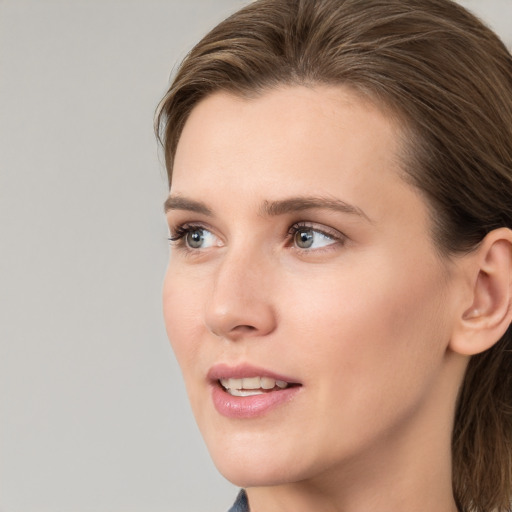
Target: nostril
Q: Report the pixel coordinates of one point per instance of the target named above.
(245, 327)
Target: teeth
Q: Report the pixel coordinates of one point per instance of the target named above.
(244, 392)
(267, 383)
(249, 386)
(251, 383)
(232, 383)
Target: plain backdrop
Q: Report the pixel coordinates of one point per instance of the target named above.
(93, 414)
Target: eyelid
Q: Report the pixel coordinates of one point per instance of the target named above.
(329, 232)
(188, 225)
(179, 231)
(178, 234)
(338, 239)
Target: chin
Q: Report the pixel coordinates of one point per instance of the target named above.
(244, 468)
(250, 475)
(257, 467)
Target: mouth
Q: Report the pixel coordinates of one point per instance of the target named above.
(251, 386)
(245, 391)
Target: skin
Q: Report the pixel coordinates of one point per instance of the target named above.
(362, 319)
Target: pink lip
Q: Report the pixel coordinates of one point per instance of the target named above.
(248, 406)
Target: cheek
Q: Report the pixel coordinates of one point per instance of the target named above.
(374, 338)
(181, 309)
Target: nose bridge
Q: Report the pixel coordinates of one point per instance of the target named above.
(239, 303)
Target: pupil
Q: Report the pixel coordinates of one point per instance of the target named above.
(195, 238)
(305, 239)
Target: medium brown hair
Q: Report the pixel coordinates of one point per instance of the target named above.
(448, 78)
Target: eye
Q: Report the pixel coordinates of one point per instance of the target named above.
(307, 237)
(194, 237)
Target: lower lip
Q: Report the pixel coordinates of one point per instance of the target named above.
(250, 406)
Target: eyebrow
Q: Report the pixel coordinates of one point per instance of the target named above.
(298, 204)
(272, 208)
(183, 203)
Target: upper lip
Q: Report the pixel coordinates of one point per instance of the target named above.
(240, 371)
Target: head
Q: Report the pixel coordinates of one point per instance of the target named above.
(443, 84)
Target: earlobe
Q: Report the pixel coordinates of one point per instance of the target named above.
(488, 317)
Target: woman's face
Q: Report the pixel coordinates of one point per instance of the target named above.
(303, 278)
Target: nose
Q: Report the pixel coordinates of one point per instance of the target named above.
(240, 304)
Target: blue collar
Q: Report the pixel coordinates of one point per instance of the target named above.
(241, 504)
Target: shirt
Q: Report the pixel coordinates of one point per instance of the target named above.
(241, 504)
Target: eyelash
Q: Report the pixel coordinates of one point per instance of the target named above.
(334, 235)
(179, 233)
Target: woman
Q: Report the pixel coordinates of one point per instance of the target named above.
(339, 289)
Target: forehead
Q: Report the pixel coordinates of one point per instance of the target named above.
(324, 139)
(290, 127)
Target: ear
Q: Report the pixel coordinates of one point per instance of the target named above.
(489, 270)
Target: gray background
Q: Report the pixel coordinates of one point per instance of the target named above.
(93, 415)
